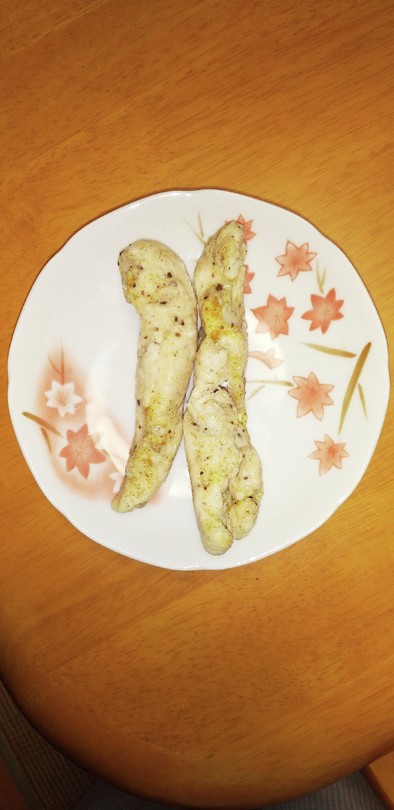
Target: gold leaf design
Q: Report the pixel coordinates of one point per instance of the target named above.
(256, 391)
(330, 350)
(41, 422)
(47, 439)
(200, 233)
(200, 225)
(353, 382)
(362, 400)
(272, 382)
(59, 371)
(320, 278)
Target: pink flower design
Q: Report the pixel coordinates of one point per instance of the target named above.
(312, 396)
(295, 260)
(273, 317)
(80, 451)
(329, 454)
(247, 224)
(324, 310)
(267, 357)
(248, 278)
(62, 397)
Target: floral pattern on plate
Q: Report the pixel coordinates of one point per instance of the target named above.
(273, 318)
(61, 419)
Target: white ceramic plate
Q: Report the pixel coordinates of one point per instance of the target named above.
(317, 377)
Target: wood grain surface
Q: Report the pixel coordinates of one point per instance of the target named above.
(242, 687)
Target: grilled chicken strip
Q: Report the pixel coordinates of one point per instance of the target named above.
(225, 470)
(156, 282)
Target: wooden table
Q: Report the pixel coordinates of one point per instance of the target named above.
(213, 689)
